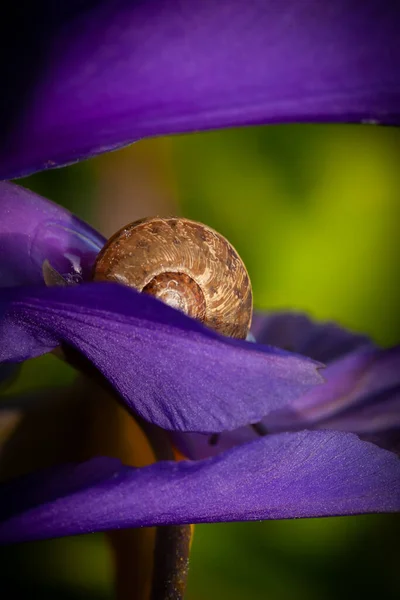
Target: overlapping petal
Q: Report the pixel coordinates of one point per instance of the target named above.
(92, 76)
(305, 474)
(360, 393)
(169, 368)
(33, 229)
(363, 381)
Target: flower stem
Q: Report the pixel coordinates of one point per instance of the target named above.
(172, 543)
(171, 562)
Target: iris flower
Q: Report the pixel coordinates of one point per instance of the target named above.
(89, 77)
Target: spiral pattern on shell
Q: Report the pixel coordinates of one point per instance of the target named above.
(187, 265)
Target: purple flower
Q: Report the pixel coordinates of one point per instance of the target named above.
(102, 75)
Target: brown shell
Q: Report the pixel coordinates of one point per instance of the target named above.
(185, 258)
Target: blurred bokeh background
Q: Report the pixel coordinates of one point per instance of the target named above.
(314, 213)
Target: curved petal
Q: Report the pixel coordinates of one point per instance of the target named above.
(103, 74)
(378, 412)
(360, 395)
(324, 341)
(373, 406)
(305, 474)
(362, 389)
(170, 369)
(33, 229)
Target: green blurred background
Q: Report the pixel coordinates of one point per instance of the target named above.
(313, 211)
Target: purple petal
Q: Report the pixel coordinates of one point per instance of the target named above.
(374, 404)
(33, 229)
(361, 395)
(322, 341)
(362, 389)
(376, 413)
(305, 474)
(169, 368)
(104, 74)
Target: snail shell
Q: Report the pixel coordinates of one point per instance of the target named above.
(185, 264)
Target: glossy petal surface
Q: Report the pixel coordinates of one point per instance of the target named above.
(306, 474)
(170, 369)
(99, 75)
(33, 229)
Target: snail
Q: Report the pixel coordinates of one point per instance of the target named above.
(187, 265)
